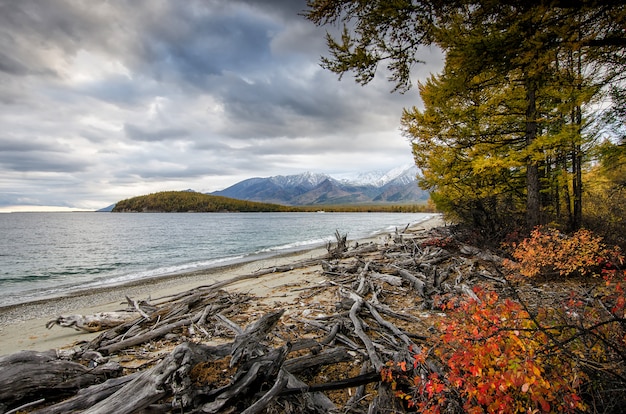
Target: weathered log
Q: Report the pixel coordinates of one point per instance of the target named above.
(385, 323)
(140, 339)
(314, 402)
(248, 379)
(361, 379)
(361, 250)
(416, 283)
(341, 337)
(229, 324)
(336, 251)
(479, 253)
(139, 308)
(385, 401)
(248, 343)
(331, 356)
(87, 397)
(104, 320)
(359, 392)
(174, 317)
(389, 279)
(93, 323)
(468, 291)
(363, 285)
(384, 309)
(152, 384)
(358, 329)
(261, 403)
(29, 375)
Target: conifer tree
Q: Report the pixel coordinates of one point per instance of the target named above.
(522, 45)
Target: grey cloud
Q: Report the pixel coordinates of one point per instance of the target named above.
(42, 161)
(11, 66)
(287, 105)
(284, 8)
(39, 33)
(13, 145)
(138, 133)
(117, 89)
(194, 43)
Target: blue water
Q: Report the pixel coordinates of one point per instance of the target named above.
(51, 254)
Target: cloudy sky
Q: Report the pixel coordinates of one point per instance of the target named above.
(105, 100)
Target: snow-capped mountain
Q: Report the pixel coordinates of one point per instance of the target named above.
(395, 186)
(377, 178)
(306, 179)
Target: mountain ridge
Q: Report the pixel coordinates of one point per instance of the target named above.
(398, 185)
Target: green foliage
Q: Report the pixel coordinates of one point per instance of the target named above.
(605, 210)
(187, 201)
(381, 30)
(468, 147)
(480, 148)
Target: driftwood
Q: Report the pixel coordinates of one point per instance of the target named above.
(104, 320)
(93, 323)
(87, 397)
(29, 374)
(212, 351)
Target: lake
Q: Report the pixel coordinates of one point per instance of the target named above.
(51, 254)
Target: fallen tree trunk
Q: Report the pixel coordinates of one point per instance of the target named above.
(87, 397)
(93, 323)
(153, 384)
(29, 374)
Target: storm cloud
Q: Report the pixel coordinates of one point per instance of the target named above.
(108, 100)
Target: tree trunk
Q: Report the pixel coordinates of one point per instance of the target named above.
(533, 204)
(577, 160)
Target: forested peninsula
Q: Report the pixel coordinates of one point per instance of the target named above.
(189, 201)
(193, 202)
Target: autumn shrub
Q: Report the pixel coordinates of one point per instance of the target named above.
(442, 242)
(491, 358)
(493, 354)
(591, 326)
(549, 252)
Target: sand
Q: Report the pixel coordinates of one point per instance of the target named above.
(23, 327)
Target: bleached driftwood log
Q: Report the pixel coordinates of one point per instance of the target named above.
(104, 320)
(93, 323)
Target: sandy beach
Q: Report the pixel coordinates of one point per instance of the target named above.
(22, 327)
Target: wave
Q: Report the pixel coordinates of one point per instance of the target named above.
(297, 245)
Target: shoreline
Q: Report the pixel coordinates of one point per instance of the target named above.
(22, 326)
(152, 269)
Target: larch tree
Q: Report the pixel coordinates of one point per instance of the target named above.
(468, 143)
(523, 45)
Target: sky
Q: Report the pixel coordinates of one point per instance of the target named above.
(106, 100)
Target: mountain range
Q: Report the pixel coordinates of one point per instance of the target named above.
(396, 186)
